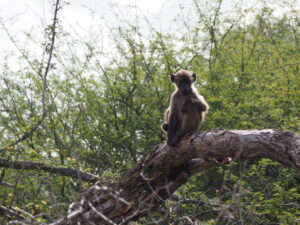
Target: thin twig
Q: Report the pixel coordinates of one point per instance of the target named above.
(48, 65)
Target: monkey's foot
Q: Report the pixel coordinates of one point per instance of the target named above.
(164, 126)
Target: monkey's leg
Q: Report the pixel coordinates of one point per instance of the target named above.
(185, 129)
(173, 125)
(190, 123)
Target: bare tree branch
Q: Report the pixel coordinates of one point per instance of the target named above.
(64, 171)
(153, 180)
(48, 49)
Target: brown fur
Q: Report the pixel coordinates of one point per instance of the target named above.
(187, 108)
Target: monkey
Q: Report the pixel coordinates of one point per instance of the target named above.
(187, 108)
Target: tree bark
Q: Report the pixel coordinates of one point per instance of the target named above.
(153, 180)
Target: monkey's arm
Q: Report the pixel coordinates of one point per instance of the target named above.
(200, 104)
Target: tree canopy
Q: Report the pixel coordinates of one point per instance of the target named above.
(80, 112)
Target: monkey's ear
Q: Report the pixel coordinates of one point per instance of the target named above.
(194, 77)
(172, 77)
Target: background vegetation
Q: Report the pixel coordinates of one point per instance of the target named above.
(105, 107)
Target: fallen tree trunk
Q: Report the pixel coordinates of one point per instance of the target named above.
(154, 179)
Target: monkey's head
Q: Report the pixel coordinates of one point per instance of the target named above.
(184, 81)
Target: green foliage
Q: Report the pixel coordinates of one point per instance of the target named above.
(104, 114)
